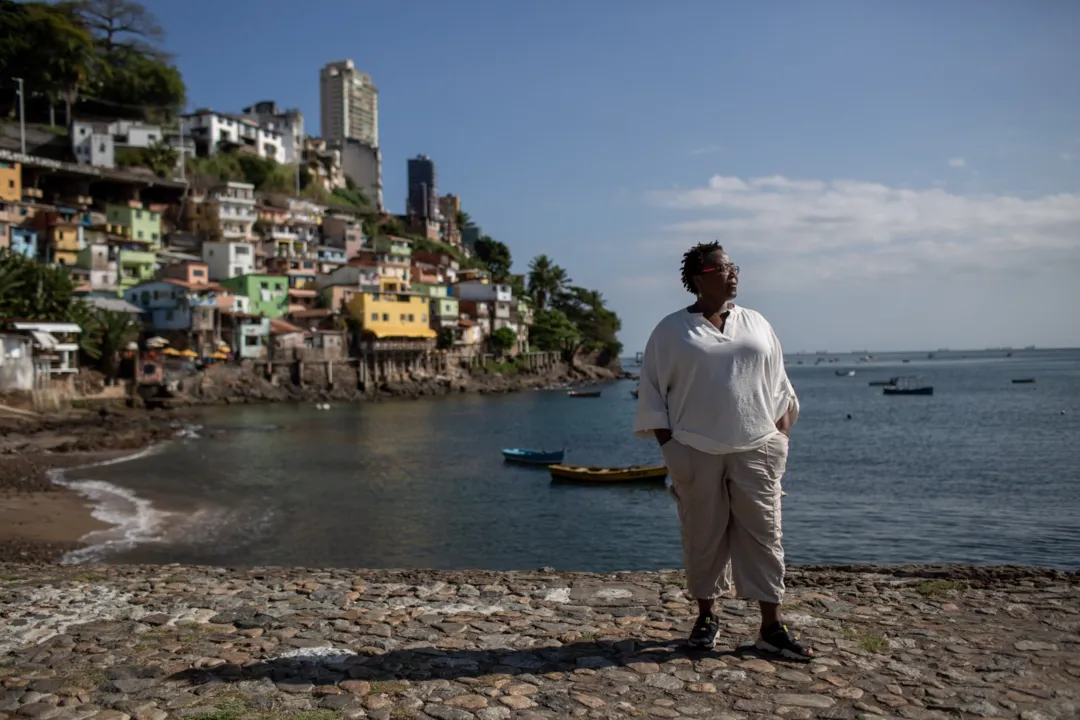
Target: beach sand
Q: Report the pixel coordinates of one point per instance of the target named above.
(39, 520)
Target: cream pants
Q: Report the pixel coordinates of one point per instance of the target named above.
(729, 511)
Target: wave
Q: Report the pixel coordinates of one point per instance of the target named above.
(133, 519)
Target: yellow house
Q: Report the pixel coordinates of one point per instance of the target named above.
(10, 181)
(392, 315)
(65, 242)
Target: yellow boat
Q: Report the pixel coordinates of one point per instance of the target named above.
(636, 473)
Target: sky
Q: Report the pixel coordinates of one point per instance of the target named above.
(888, 175)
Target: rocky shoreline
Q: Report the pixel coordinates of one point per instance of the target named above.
(150, 643)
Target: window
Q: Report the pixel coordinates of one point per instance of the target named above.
(251, 340)
(374, 317)
(263, 285)
(138, 214)
(386, 317)
(412, 318)
(101, 147)
(402, 317)
(145, 298)
(153, 236)
(151, 137)
(423, 318)
(196, 272)
(169, 315)
(140, 234)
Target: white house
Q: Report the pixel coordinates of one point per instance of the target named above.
(96, 143)
(290, 123)
(211, 129)
(228, 259)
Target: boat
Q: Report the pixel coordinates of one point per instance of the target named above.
(584, 393)
(845, 373)
(1023, 381)
(634, 392)
(635, 473)
(883, 383)
(533, 457)
(910, 385)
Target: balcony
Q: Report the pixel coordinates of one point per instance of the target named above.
(281, 233)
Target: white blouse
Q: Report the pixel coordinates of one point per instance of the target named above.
(718, 392)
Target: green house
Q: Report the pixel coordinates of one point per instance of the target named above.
(135, 267)
(268, 295)
(144, 225)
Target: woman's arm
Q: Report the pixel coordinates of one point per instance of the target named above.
(788, 400)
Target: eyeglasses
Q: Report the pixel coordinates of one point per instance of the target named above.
(730, 269)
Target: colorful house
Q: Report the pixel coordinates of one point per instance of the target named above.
(144, 225)
(134, 266)
(65, 232)
(392, 315)
(189, 312)
(268, 294)
(24, 241)
(10, 181)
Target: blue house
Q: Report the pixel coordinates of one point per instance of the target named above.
(24, 241)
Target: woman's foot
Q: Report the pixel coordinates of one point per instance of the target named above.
(703, 636)
(778, 639)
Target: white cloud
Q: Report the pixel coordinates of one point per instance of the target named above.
(865, 231)
(957, 162)
(707, 150)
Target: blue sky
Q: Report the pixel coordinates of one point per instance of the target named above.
(889, 175)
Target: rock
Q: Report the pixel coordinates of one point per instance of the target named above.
(805, 701)
(757, 665)
(664, 682)
(1033, 646)
(517, 702)
(468, 702)
(589, 701)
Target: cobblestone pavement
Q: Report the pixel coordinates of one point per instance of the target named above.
(149, 643)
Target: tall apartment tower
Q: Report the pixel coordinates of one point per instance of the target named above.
(349, 104)
(423, 198)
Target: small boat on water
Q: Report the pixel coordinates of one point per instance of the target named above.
(910, 385)
(637, 473)
(1023, 381)
(634, 392)
(533, 457)
(845, 373)
(883, 383)
(584, 393)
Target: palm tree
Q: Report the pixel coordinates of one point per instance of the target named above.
(462, 219)
(546, 280)
(105, 335)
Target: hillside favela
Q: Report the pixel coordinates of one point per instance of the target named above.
(362, 360)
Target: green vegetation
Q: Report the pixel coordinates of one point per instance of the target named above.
(869, 642)
(35, 291)
(569, 317)
(939, 588)
(159, 157)
(97, 57)
(503, 340)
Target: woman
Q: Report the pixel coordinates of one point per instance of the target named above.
(715, 395)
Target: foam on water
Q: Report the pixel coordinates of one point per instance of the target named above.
(133, 519)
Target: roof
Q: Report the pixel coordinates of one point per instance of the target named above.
(466, 323)
(313, 313)
(302, 292)
(280, 327)
(114, 305)
(211, 286)
(48, 327)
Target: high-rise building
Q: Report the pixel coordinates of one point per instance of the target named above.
(423, 200)
(349, 104)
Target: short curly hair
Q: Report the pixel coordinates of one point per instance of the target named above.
(693, 262)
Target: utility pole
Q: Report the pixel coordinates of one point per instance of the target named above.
(298, 154)
(183, 152)
(22, 117)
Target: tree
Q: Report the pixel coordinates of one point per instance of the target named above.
(552, 331)
(107, 333)
(160, 157)
(48, 47)
(598, 325)
(546, 280)
(444, 338)
(136, 85)
(503, 340)
(495, 256)
(122, 25)
(462, 219)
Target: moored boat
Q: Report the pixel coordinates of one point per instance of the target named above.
(533, 457)
(910, 385)
(1023, 381)
(584, 393)
(636, 473)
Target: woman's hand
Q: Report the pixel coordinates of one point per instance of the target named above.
(784, 423)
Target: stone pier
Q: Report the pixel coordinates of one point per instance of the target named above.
(150, 643)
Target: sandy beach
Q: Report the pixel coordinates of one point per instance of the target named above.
(40, 520)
